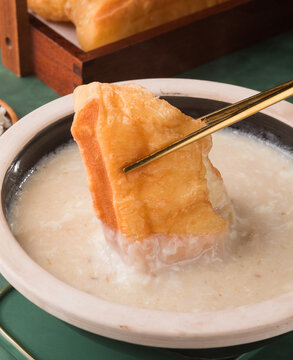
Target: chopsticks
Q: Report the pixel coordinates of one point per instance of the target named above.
(221, 119)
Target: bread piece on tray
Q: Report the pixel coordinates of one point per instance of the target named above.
(100, 22)
(165, 212)
(53, 10)
(105, 21)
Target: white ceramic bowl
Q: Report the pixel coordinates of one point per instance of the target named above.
(156, 328)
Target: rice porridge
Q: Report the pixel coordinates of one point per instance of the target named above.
(53, 220)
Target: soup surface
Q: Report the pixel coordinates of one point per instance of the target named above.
(53, 220)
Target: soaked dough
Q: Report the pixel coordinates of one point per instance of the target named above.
(163, 213)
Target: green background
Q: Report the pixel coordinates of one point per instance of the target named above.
(258, 67)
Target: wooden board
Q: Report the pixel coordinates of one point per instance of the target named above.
(14, 36)
(164, 51)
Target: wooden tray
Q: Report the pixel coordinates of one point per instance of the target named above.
(164, 51)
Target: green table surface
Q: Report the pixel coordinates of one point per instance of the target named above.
(258, 67)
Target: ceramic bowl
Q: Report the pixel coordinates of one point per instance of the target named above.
(46, 128)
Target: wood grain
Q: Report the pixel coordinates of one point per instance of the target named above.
(15, 36)
(160, 52)
(55, 61)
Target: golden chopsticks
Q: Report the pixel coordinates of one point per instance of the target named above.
(221, 119)
(10, 344)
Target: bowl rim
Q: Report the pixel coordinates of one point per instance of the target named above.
(223, 328)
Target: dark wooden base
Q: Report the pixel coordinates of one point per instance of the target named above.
(161, 52)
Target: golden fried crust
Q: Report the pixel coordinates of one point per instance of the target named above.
(115, 125)
(83, 130)
(49, 9)
(105, 21)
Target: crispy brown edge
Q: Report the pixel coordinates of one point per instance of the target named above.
(84, 132)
